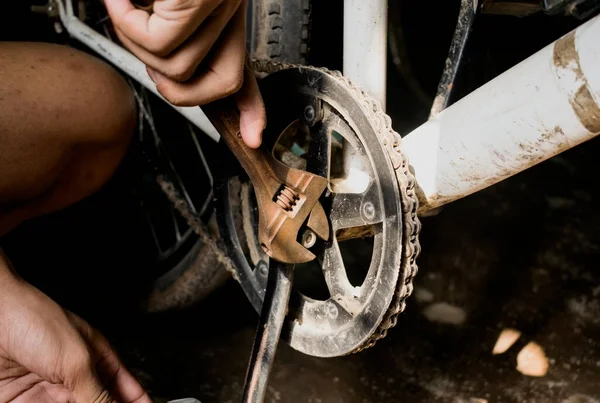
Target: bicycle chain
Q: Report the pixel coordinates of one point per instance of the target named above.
(391, 140)
(195, 223)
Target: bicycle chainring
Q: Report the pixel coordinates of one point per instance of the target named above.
(371, 199)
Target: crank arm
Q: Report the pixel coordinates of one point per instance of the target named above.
(272, 316)
(286, 197)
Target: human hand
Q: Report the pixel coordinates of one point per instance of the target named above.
(48, 355)
(195, 52)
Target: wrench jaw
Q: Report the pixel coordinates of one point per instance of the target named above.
(284, 215)
(285, 196)
(318, 223)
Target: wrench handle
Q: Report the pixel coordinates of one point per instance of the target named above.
(223, 114)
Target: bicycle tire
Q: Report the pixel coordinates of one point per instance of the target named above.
(279, 30)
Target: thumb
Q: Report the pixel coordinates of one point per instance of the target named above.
(252, 110)
(87, 388)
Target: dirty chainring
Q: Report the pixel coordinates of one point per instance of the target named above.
(349, 330)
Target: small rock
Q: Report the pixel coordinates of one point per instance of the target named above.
(507, 338)
(442, 312)
(423, 295)
(532, 361)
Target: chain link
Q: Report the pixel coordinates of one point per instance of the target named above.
(196, 224)
(391, 140)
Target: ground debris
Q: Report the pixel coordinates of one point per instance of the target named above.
(442, 312)
(532, 360)
(507, 338)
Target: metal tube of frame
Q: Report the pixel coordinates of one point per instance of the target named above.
(545, 105)
(127, 62)
(365, 45)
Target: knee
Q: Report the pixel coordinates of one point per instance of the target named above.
(66, 120)
(107, 103)
(77, 98)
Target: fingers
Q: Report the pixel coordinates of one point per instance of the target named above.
(253, 117)
(181, 64)
(111, 372)
(166, 28)
(86, 387)
(58, 393)
(195, 52)
(223, 76)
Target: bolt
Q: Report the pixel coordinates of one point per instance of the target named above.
(332, 310)
(263, 269)
(309, 114)
(369, 210)
(309, 239)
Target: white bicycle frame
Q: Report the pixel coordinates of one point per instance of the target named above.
(543, 106)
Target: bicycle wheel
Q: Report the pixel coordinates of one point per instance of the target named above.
(167, 151)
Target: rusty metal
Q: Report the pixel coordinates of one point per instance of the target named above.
(286, 197)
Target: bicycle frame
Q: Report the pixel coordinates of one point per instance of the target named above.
(541, 107)
(365, 45)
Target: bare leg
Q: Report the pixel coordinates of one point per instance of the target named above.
(66, 120)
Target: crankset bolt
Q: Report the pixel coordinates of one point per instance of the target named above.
(309, 114)
(263, 269)
(332, 310)
(309, 239)
(369, 210)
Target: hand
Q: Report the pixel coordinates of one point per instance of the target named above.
(195, 52)
(48, 355)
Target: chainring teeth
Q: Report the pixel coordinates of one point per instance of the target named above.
(406, 181)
